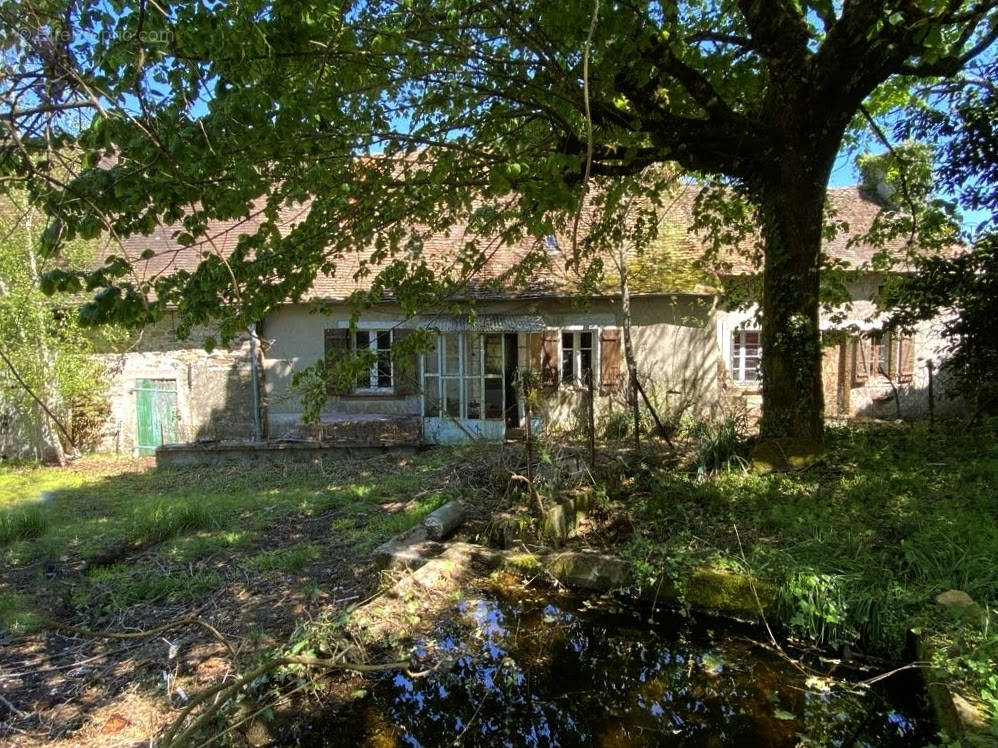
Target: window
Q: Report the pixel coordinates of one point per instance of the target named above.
(576, 357)
(379, 344)
(887, 355)
(746, 353)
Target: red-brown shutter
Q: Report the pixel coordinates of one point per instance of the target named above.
(550, 342)
(337, 346)
(862, 355)
(405, 369)
(609, 365)
(906, 356)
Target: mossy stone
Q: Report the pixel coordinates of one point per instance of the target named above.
(784, 455)
(728, 592)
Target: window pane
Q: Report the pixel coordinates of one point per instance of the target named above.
(363, 339)
(472, 395)
(493, 398)
(430, 361)
(452, 357)
(384, 369)
(431, 394)
(567, 357)
(452, 397)
(587, 364)
(493, 354)
(585, 340)
(384, 340)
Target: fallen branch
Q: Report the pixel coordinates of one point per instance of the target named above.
(149, 632)
(223, 692)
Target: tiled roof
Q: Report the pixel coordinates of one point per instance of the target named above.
(676, 245)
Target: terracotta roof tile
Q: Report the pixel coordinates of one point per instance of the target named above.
(850, 206)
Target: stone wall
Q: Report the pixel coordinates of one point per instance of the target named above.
(213, 389)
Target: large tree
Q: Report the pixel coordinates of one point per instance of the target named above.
(498, 115)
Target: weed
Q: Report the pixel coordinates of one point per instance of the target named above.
(118, 586)
(17, 616)
(283, 559)
(717, 443)
(22, 524)
(165, 521)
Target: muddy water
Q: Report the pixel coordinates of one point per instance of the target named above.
(541, 669)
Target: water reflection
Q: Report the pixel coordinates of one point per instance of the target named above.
(544, 672)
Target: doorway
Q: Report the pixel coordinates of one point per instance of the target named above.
(156, 414)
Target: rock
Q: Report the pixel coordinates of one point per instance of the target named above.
(258, 734)
(442, 522)
(729, 593)
(589, 571)
(960, 604)
(410, 550)
(954, 597)
(970, 715)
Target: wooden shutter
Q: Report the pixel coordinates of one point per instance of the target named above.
(862, 357)
(550, 342)
(405, 369)
(609, 364)
(906, 358)
(337, 347)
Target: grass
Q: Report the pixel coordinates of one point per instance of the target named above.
(860, 544)
(178, 534)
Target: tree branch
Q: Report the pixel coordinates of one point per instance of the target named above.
(31, 393)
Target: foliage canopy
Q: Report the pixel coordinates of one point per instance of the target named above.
(382, 116)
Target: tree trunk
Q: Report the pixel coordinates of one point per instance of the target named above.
(791, 202)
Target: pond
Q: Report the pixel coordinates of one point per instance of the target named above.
(537, 668)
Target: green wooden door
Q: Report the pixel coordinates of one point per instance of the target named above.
(156, 411)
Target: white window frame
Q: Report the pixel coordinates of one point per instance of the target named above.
(372, 346)
(461, 375)
(575, 331)
(738, 370)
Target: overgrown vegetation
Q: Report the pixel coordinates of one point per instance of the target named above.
(860, 544)
(172, 535)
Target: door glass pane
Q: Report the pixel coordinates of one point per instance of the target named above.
(431, 361)
(431, 395)
(472, 395)
(452, 397)
(473, 355)
(493, 355)
(452, 358)
(493, 397)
